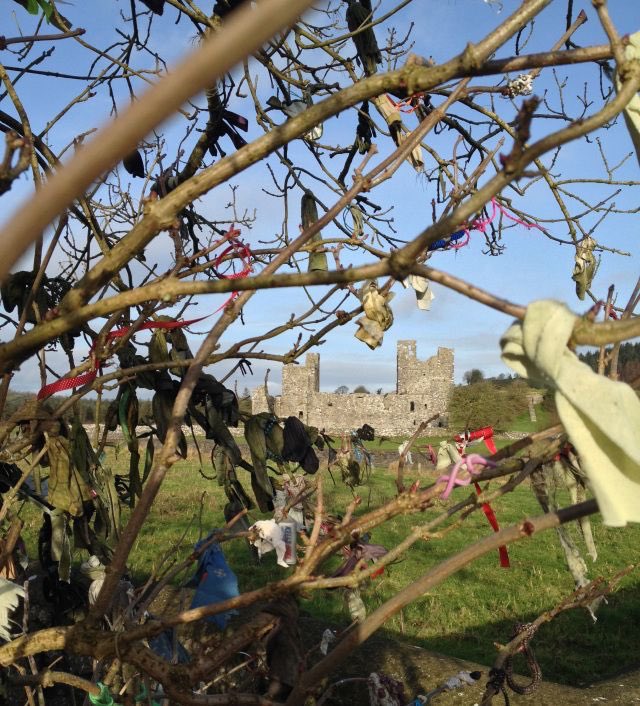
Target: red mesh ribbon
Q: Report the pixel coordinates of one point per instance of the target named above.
(246, 256)
(67, 384)
(84, 378)
(485, 433)
(235, 246)
(491, 516)
(487, 437)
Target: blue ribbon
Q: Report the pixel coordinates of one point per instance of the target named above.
(445, 242)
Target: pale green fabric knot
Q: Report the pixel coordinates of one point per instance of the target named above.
(601, 416)
(632, 111)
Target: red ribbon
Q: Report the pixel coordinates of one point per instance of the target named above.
(488, 442)
(564, 452)
(236, 246)
(67, 384)
(484, 433)
(79, 380)
(493, 521)
(612, 313)
(407, 105)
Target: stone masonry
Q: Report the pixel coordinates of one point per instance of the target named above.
(423, 387)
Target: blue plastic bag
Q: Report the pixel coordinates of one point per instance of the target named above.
(216, 582)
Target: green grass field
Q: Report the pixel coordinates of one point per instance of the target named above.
(462, 617)
(524, 423)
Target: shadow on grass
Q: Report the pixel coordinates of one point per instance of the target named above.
(572, 650)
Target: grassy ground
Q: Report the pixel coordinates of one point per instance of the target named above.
(524, 423)
(463, 616)
(391, 443)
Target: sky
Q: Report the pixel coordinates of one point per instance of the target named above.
(531, 266)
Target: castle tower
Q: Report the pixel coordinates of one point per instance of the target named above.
(421, 377)
(299, 384)
(406, 362)
(312, 364)
(445, 367)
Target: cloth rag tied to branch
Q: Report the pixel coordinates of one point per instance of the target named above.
(601, 416)
(632, 111)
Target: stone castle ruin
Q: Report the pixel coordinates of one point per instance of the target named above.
(423, 387)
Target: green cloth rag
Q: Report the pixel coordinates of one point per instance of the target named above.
(601, 416)
(104, 698)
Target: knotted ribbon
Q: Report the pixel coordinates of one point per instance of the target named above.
(377, 318)
(470, 462)
(241, 249)
(452, 480)
(406, 105)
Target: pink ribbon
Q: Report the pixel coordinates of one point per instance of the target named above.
(470, 462)
(482, 223)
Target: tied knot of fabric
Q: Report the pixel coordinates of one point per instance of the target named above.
(601, 416)
(10, 593)
(104, 698)
(536, 349)
(270, 537)
(377, 318)
(375, 308)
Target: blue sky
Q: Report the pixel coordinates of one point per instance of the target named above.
(531, 267)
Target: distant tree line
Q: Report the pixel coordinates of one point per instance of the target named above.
(628, 360)
(86, 407)
(359, 390)
(471, 377)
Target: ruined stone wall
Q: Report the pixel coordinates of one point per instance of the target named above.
(423, 388)
(389, 415)
(259, 402)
